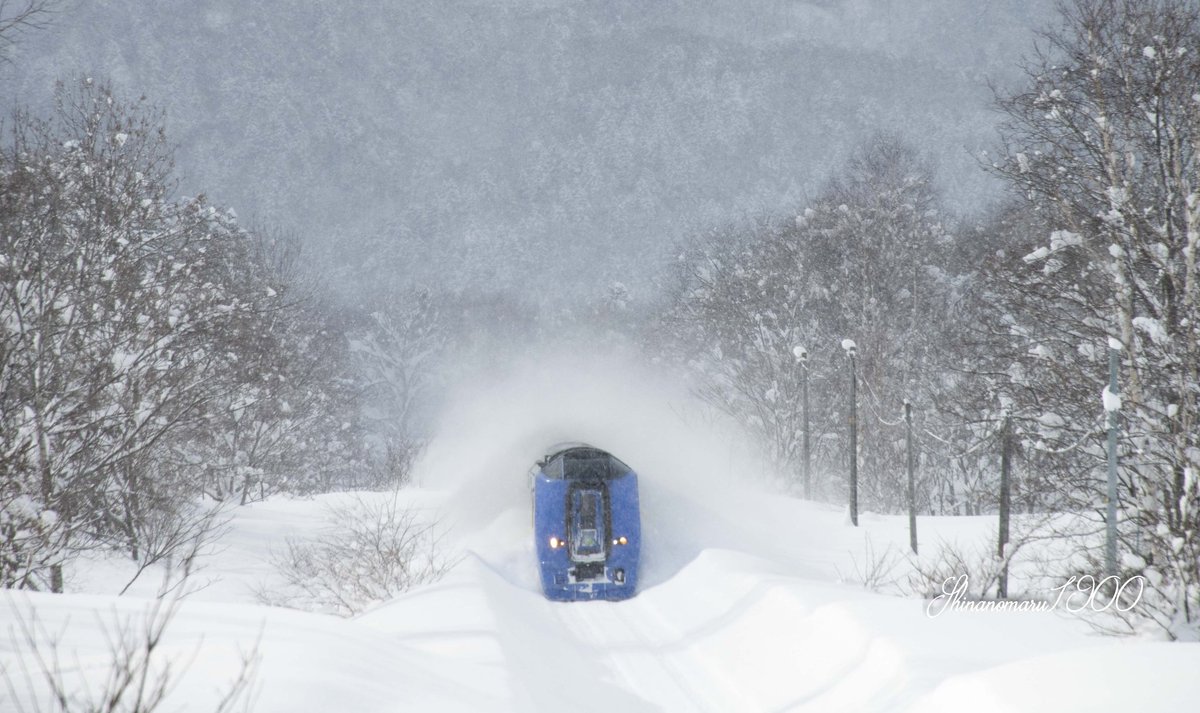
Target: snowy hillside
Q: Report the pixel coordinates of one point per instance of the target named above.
(748, 603)
(453, 142)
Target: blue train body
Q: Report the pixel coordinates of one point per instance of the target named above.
(587, 524)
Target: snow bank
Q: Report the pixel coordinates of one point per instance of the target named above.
(748, 600)
(1144, 676)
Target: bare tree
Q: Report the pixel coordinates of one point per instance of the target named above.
(19, 16)
(140, 674)
(369, 551)
(397, 355)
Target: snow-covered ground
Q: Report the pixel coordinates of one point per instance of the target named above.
(748, 600)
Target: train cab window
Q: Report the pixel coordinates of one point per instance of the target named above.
(554, 468)
(587, 464)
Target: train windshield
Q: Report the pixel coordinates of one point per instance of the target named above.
(587, 528)
(585, 464)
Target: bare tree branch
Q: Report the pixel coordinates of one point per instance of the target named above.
(19, 17)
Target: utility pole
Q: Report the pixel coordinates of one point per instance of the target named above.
(1005, 500)
(912, 468)
(1112, 404)
(802, 360)
(852, 352)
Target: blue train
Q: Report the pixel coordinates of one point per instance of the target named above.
(587, 524)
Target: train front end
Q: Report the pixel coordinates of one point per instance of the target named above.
(587, 525)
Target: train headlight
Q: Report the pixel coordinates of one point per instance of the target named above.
(555, 542)
(622, 540)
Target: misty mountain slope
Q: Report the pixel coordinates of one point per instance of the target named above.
(483, 141)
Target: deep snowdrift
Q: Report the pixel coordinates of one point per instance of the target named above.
(743, 606)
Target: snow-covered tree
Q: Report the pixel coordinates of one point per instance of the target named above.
(397, 354)
(105, 317)
(283, 416)
(874, 247)
(1102, 147)
(736, 316)
(863, 261)
(149, 348)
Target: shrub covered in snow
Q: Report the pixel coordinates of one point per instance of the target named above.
(369, 549)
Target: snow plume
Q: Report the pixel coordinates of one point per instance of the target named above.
(692, 464)
(500, 422)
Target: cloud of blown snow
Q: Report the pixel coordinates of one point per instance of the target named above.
(499, 423)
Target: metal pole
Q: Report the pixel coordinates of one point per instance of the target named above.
(1005, 500)
(802, 359)
(912, 468)
(807, 472)
(853, 438)
(1112, 405)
